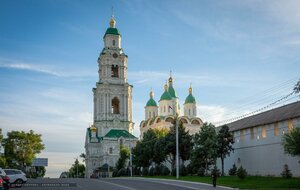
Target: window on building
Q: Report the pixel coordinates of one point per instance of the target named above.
(242, 135)
(189, 111)
(168, 109)
(251, 133)
(121, 142)
(150, 114)
(115, 71)
(276, 129)
(153, 114)
(110, 150)
(290, 125)
(164, 108)
(114, 43)
(194, 111)
(263, 132)
(115, 106)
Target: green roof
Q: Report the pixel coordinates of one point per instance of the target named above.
(190, 99)
(172, 91)
(116, 133)
(113, 31)
(166, 96)
(151, 102)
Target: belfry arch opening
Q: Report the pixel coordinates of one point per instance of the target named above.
(115, 105)
(115, 71)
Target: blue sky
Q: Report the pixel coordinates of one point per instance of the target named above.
(238, 55)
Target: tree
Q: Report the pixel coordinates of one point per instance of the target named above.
(185, 144)
(124, 155)
(77, 170)
(3, 162)
(241, 173)
(297, 88)
(204, 152)
(225, 144)
(20, 148)
(291, 142)
(82, 156)
(147, 150)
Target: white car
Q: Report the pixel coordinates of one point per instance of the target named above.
(16, 176)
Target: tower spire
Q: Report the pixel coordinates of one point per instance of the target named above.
(190, 89)
(170, 78)
(112, 22)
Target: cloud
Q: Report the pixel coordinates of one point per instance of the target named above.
(5, 63)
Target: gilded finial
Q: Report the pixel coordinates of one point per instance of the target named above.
(93, 128)
(166, 86)
(190, 89)
(170, 78)
(151, 93)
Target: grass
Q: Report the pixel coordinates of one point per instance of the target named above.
(250, 182)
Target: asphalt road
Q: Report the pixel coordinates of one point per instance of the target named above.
(114, 184)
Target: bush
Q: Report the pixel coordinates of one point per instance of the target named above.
(190, 169)
(232, 171)
(241, 173)
(183, 171)
(286, 173)
(145, 171)
(151, 171)
(122, 172)
(157, 170)
(173, 173)
(115, 173)
(201, 172)
(165, 171)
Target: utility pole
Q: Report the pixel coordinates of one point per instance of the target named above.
(177, 147)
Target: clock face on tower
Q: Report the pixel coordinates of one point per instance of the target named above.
(115, 55)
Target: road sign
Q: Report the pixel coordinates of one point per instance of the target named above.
(40, 162)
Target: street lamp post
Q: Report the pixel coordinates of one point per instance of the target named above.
(177, 147)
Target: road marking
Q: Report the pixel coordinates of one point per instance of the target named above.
(129, 188)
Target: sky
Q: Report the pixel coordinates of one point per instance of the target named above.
(238, 55)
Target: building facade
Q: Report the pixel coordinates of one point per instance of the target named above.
(258, 140)
(163, 116)
(112, 119)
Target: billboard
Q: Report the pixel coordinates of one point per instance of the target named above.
(40, 162)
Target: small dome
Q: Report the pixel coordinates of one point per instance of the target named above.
(151, 102)
(166, 95)
(93, 128)
(190, 98)
(112, 22)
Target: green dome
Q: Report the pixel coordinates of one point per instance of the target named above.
(166, 96)
(151, 102)
(190, 99)
(172, 91)
(113, 31)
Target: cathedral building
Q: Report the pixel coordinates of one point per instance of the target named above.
(163, 116)
(112, 122)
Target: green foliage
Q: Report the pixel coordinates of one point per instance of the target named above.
(241, 173)
(124, 155)
(183, 171)
(291, 142)
(165, 171)
(232, 171)
(297, 87)
(286, 173)
(77, 170)
(122, 172)
(185, 144)
(82, 156)
(216, 171)
(20, 148)
(205, 147)
(201, 172)
(145, 171)
(225, 144)
(150, 148)
(151, 171)
(40, 171)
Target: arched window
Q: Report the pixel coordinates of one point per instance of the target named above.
(115, 71)
(164, 108)
(150, 114)
(196, 122)
(189, 111)
(110, 150)
(153, 114)
(121, 141)
(114, 42)
(169, 109)
(115, 106)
